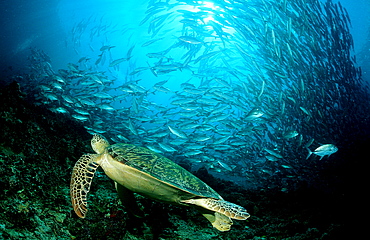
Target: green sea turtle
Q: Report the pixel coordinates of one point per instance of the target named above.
(140, 170)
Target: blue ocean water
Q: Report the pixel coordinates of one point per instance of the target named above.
(48, 24)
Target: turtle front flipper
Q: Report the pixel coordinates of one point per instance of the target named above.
(82, 175)
(221, 206)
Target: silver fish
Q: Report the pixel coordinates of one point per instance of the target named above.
(323, 150)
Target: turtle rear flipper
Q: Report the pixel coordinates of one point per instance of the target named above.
(221, 206)
(219, 221)
(82, 175)
(128, 200)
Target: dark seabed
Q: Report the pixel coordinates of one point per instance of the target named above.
(265, 101)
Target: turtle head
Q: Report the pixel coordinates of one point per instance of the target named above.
(99, 143)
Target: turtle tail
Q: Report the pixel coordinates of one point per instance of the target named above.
(82, 175)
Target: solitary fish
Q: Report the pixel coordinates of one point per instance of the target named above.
(324, 150)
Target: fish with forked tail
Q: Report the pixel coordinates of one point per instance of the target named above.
(323, 150)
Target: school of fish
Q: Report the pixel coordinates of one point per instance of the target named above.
(261, 82)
